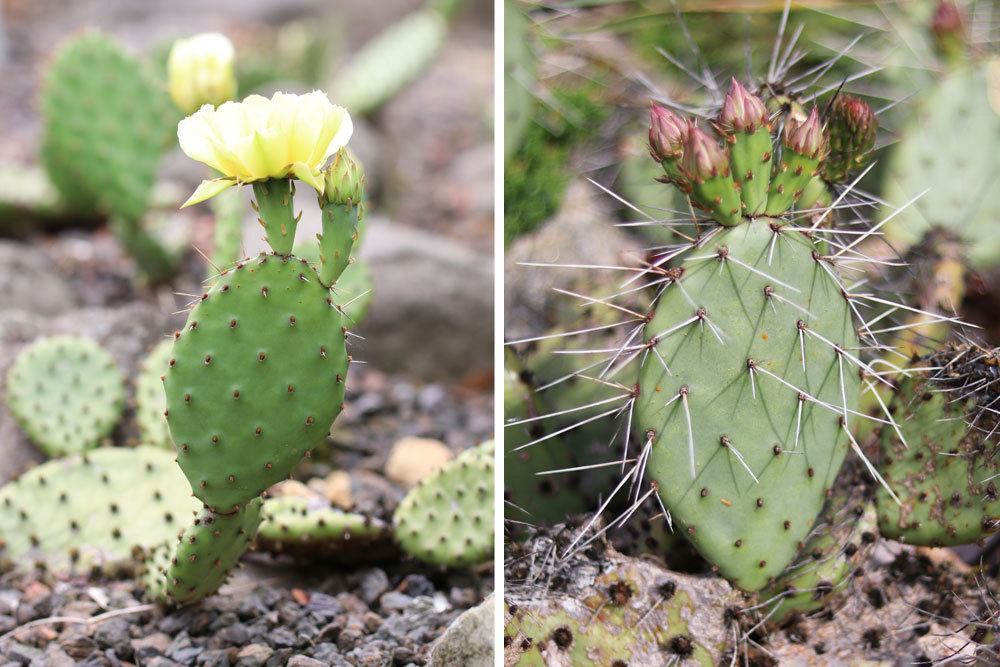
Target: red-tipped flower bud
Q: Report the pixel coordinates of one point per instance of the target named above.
(948, 27)
(742, 110)
(806, 137)
(703, 157)
(667, 133)
(850, 132)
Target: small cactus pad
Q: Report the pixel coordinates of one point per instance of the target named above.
(204, 554)
(948, 150)
(448, 519)
(106, 124)
(92, 509)
(944, 472)
(839, 541)
(150, 400)
(741, 446)
(255, 379)
(377, 72)
(297, 526)
(66, 393)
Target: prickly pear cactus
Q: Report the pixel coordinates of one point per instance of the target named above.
(66, 392)
(106, 124)
(303, 528)
(944, 156)
(942, 462)
(255, 379)
(150, 401)
(448, 519)
(92, 509)
(378, 72)
(838, 543)
(205, 552)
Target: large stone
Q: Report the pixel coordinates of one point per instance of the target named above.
(432, 309)
(29, 281)
(468, 641)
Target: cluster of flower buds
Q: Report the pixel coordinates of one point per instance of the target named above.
(850, 131)
(742, 111)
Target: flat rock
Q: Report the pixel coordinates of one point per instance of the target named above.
(468, 641)
(30, 282)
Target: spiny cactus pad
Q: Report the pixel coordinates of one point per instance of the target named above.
(740, 445)
(106, 124)
(92, 509)
(204, 554)
(378, 71)
(944, 473)
(839, 541)
(255, 379)
(947, 150)
(66, 393)
(149, 397)
(300, 527)
(448, 519)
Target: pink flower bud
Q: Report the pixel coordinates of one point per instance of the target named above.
(742, 110)
(667, 133)
(703, 157)
(805, 137)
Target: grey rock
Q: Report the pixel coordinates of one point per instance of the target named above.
(23, 654)
(582, 232)
(29, 281)
(304, 661)
(374, 583)
(468, 641)
(213, 658)
(432, 312)
(395, 601)
(53, 657)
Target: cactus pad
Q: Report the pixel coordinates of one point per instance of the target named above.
(255, 379)
(448, 519)
(945, 477)
(378, 71)
(92, 509)
(205, 553)
(741, 446)
(839, 541)
(66, 393)
(106, 124)
(150, 399)
(948, 150)
(297, 526)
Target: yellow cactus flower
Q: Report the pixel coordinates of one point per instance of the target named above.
(260, 139)
(200, 70)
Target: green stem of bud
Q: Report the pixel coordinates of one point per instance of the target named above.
(340, 232)
(275, 208)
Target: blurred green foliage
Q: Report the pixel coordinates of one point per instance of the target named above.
(536, 176)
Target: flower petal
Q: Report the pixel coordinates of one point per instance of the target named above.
(208, 189)
(307, 175)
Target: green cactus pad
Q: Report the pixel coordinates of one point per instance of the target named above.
(945, 477)
(720, 196)
(948, 149)
(66, 393)
(91, 510)
(203, 557)
(448, 519)
(840, 540)
(750, 161)
(255, 379)
(106, 124)
(298, 526)
(712, 404)
(390, 61)
(150, 401)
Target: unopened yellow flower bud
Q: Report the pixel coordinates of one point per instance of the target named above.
(200, 70)
(345, 180)
(260, 139)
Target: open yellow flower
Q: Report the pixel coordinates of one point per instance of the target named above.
(200, 71)
(260, 139)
